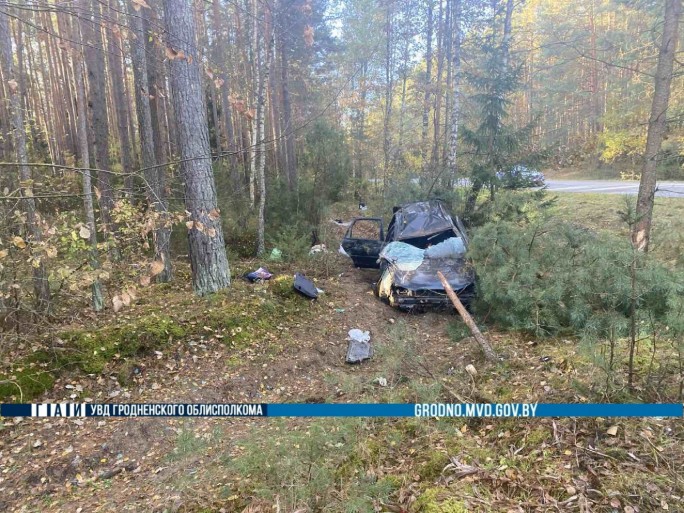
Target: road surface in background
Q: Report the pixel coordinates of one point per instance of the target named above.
(666, 189)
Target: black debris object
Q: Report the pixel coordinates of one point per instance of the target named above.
(305, 286)
(260, 274)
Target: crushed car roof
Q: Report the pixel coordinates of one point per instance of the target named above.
(419, 219)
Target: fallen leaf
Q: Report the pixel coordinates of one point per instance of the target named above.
(612, 430)
(156, 267)
(145, 281)
(19, 242)
(117, 303)
(126, 299)
(84, 232)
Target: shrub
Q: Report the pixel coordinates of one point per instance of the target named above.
(294, 241)
(554, 278)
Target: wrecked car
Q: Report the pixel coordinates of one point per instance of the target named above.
(422, 238)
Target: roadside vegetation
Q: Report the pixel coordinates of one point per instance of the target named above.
(154, 152)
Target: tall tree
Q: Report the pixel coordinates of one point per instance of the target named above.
(428, 84)
(83, 151)
(115, 56)
(97, 101)
(41, 286)
(210, 271)
(456, 92)
(288, 128)
(264, 64)
(153, 173)
(641, 235)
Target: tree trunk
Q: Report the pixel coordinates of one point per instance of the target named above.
(41, 286)
(389, 86)
(264, 64)
(219, 54)
(428, 85)
(94, 58)
(152, 172)
(456, 104)
(210, 271)
(115, 55)
(288, 125)
(434, 157)
(641, 234)
(82, 139)
(487, 349)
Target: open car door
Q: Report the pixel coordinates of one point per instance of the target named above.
(363, 241)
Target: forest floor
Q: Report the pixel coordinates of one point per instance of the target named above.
(295, 353)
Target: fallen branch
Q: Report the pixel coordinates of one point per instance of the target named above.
(489, 353)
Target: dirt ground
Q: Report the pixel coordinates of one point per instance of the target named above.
(52, 464)
(151, 464)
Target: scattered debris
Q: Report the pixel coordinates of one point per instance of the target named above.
(359, 346)
(305, 286)
(339, 310)
(363, 207)
(470, 369)
(380, 381)
(276, 255)
(260, 274)
(318, 248)
(339, 222)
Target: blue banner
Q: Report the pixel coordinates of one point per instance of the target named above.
(429, 410)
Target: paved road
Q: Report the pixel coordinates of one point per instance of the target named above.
(667, 189)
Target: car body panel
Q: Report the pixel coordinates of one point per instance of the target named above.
(433, 241)
(364, 251)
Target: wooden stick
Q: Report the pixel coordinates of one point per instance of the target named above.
(489, 353)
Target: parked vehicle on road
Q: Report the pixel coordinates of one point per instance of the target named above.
(520, 177)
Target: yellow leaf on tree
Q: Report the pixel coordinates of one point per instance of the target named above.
(137, 4)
